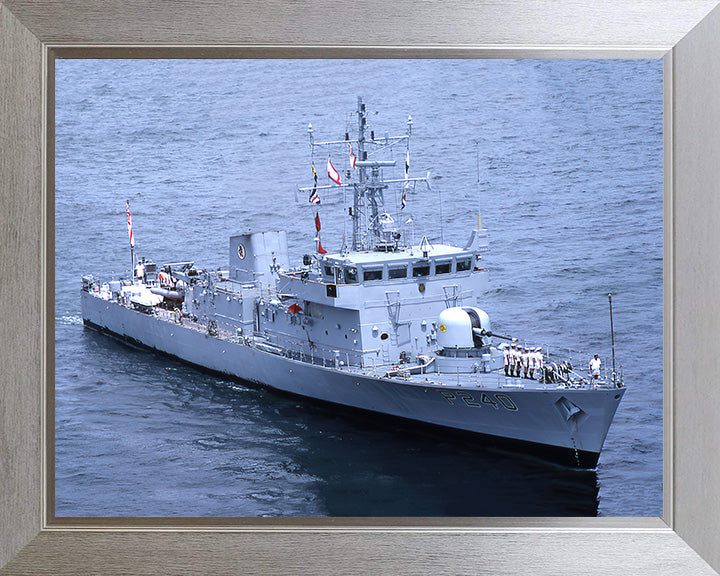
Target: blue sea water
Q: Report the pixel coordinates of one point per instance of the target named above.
(562, 157)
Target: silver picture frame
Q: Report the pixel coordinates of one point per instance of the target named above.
(684, 33)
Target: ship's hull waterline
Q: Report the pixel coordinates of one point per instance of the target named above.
(535, 420)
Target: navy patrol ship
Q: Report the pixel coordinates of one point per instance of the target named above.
(381, 325)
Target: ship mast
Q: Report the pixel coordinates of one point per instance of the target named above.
(368, 189)
(357, 193)
(368, 211)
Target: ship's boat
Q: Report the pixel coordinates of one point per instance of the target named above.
(382, 325)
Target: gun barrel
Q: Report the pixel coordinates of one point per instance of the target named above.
(495, 335)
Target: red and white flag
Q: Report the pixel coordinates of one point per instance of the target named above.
(320, 249)
(129, 225)
(403, 200)
(353, 158)
(333, 174)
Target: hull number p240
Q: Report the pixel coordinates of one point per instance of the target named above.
(494, 400)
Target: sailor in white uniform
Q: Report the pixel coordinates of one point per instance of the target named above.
(515, 361)
(531, 362)
(140, 271)
(595, 367)
(538, 357)
(506, 358)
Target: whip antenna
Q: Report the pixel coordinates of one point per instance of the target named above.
(612, 337)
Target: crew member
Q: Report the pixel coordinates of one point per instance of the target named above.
(520, 361)
(506, 358)
(513, 359)
(531, 362)
(595, 367)
(526, 361)
(538, 355)
(140, 270)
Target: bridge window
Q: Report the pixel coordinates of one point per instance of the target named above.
(351, 275)
(328, 271)
(421, 270)
(442, 267)
(372, 275)
(463, 264)
(397, 273)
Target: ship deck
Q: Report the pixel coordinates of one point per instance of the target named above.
(492, 380)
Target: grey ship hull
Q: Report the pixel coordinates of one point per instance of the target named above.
(534, 418)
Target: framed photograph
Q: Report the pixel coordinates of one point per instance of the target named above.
(509, 195)
(49, 57)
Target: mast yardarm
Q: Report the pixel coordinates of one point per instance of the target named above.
(369, 217)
